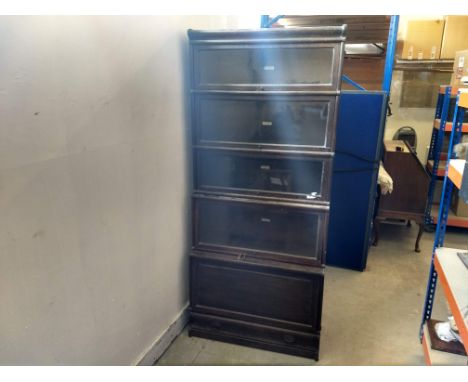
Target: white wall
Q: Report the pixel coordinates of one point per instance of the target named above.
(94, 194)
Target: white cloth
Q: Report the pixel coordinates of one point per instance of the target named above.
(384, 180)
(460, 150)
(445, 333)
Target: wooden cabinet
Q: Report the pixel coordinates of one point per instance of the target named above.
(410, 187)
(261, 304)
(263, 126)
(410, 181)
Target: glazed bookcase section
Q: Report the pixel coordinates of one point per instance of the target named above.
(269, 230)
(256, 304)
(293, 177)
(265, 121)
(263, 114)
(288, 60)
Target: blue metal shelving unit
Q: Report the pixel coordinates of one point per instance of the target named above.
(435, 148)
(444, 207)
(390, 56)
(439, 132)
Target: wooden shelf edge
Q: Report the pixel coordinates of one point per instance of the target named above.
(448, 126)
(453, 172)
(452, 221)
(426, 347)
(440, 170)
(438, 358)
(461, 324)
(453, 91)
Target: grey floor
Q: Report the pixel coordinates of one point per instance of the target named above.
(369, 318)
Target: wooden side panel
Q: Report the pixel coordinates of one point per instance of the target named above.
(410, 185)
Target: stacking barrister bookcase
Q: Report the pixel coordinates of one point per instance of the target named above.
(264, 106)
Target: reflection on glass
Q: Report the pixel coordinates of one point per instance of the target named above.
(266, 121)
(258, 227)
(419, 89)
(265, 65)
(219, 169)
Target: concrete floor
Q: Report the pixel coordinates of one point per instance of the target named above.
(369, 318)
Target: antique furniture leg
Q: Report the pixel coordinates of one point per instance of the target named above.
(421, 230)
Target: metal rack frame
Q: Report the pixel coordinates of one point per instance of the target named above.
(444, 207)
(439, 130)
(435, 147)
(267, 22)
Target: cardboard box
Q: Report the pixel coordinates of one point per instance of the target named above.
(460, 69)
(455, 36)
(423, 40)
(459, 207)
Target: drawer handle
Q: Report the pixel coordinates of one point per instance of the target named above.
(267, 123)
(265, 167)
(265, 220)
(269, 67)
(289, 339)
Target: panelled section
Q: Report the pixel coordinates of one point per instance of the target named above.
(263, 121)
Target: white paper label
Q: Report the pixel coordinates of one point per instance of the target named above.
(410, 53)
(267, 123)
(269, 67)
(420, 55)
(276, 181)
(433, 52)
(265, 220)
(461, 62)
(265, 167)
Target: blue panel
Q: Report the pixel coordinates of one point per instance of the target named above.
(359, 135)
(390, 57)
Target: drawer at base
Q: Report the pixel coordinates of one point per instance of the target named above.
(258, 294)
(259, 336)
